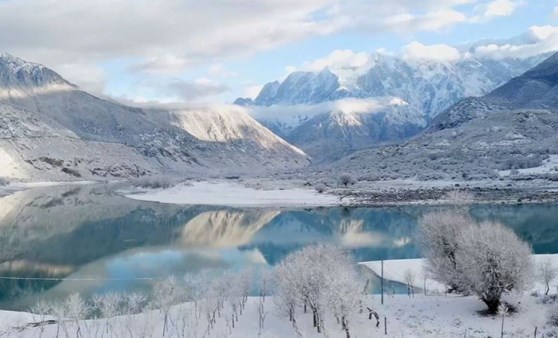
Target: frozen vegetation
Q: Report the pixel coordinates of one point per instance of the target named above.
(319, 291)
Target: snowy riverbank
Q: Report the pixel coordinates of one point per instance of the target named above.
(235, 194)
(430, 314)
(396, 270)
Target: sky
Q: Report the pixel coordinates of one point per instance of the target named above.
(213, 51)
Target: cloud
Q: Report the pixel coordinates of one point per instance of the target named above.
(440, 52)
(179, 90)
(347, 105)
(252, 91)
(538, 40)
(431, 21)
(218, 70)
(494, 8)
(339, 59)
(168, 36)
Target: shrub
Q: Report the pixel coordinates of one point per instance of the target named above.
(4, 181)
(153, 182)
(553, 316)
(320, 188)
(346, 179)
(486, 259)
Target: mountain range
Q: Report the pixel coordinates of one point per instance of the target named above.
(338, 110)
(52, 130)
(513, 128)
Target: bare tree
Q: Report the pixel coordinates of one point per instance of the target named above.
(410, 281)
(546, 273)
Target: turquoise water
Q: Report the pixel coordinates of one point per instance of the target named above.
(89, 239)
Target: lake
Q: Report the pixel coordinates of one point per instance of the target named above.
(89, 239)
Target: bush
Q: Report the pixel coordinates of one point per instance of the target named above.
(4, 181)
(346, 179)
(153, 182)
(553, 316)
(320, 188)
(493, 261)
(486, 259)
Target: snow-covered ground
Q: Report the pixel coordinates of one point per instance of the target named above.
(549, 165)
(233, 194)
(418, 316)
(396, 269)
(426, 314)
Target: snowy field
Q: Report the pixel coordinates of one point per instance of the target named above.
(397, 269)
(429, 313)
(418, 316)
(236, 195)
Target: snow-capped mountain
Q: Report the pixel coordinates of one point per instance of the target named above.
(512, 127)
(52, 130)
(426, 86)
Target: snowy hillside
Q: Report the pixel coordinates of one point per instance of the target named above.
(426, 86)
(53, 130)
(506, 131)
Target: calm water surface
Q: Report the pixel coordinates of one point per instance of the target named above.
(89, 239)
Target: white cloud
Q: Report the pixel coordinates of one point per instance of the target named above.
(440, 52)
(339, 59)
(218, 70)
(252, 91)
(432, 21)
(179, 90)
(538, 40)
(168, 36)
(495, 8)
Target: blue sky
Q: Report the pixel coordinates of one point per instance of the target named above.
(216, 50)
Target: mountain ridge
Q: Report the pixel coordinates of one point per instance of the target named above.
(88, 137)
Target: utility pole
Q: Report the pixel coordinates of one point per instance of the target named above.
(382, 282)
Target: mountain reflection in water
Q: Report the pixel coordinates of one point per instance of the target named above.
(90, 239)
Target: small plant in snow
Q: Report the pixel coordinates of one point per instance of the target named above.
(546, 273)
(553, 315)
(410, 281)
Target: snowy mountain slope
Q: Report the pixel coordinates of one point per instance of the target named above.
(44, 116)
(427, 86)
(513, 127)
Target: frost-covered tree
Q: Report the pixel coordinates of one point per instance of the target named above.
(109, 306)
(492, 260)
(166, 293)
(459, 198)
(76, 310)
(343, 290)
(346, 179)
(546, 273)
(410, 281)
(286, 291)
(319, 278)
(438, 236)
